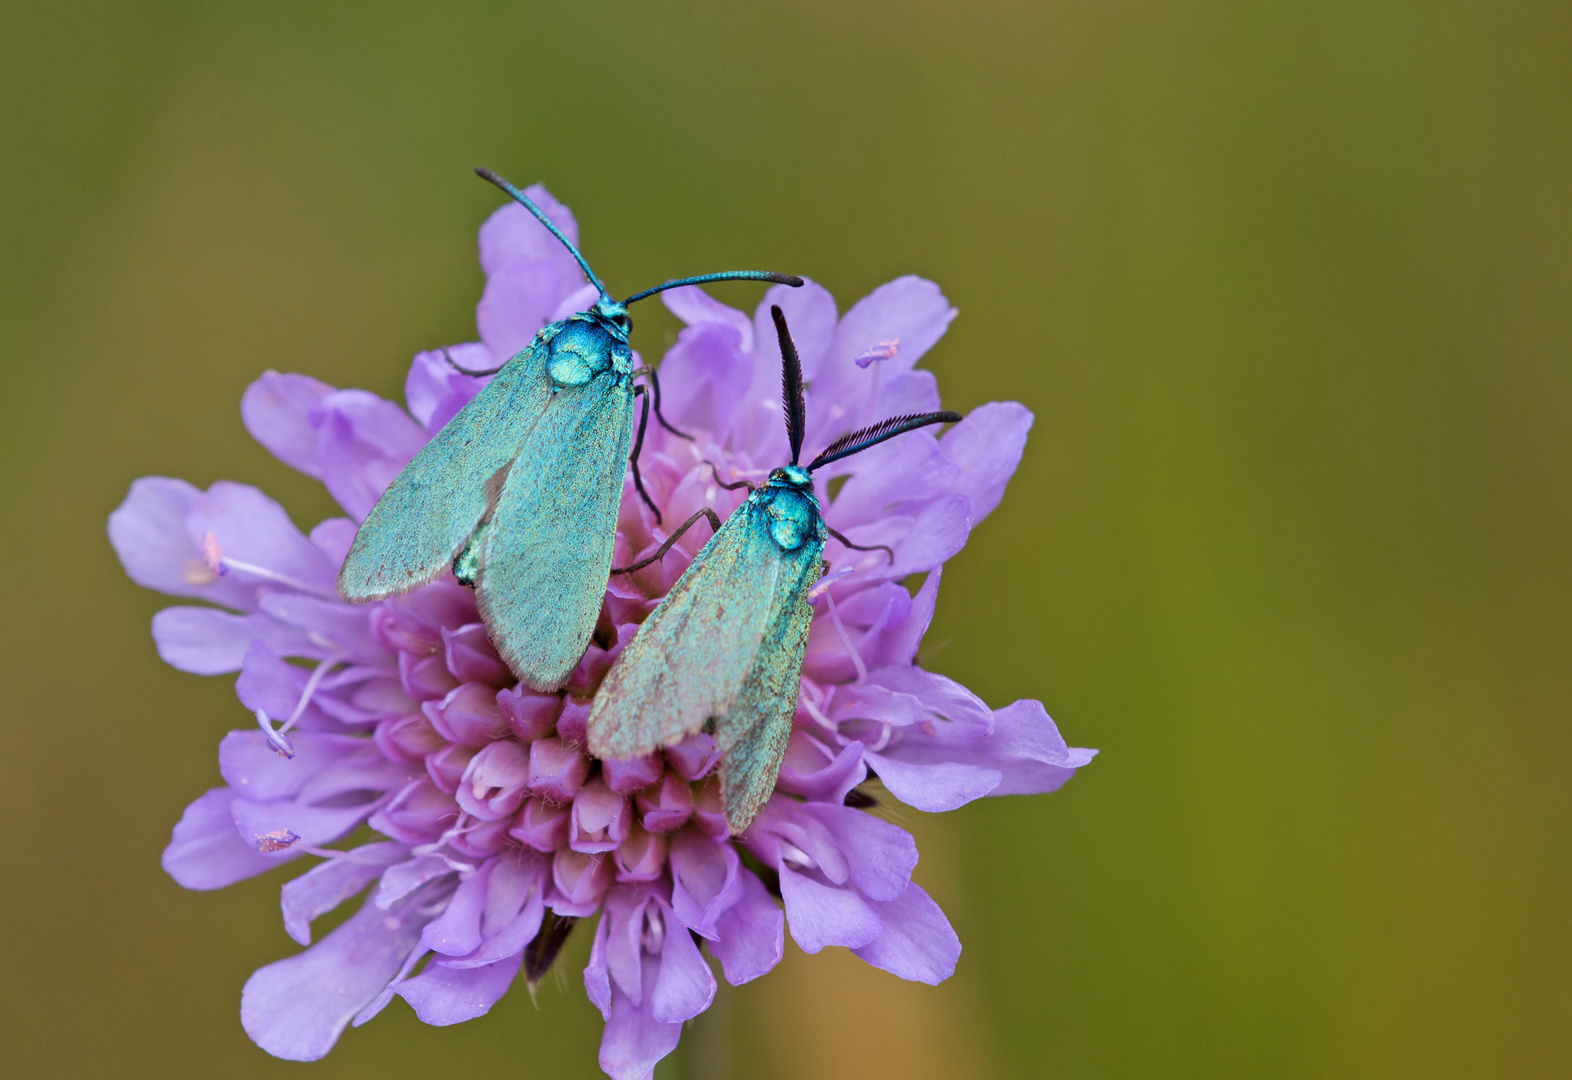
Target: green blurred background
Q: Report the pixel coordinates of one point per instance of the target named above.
(1288, 286)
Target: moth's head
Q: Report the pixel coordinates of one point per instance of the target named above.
(615, 315)
(792, 476)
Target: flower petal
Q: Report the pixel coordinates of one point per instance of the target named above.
(705, 375)
(148, 532)
(987, 447)
(512, 232)
(897, 642)
(442, 995)
(938, 533)
(258, 822)
(348, 628)
(918, 942)
(328, 884)
(750, 935)
(696, 307)
(811, 771)
(704, 879)
(276, 409)
(937, 787)
(1035, 757)
(880, 856)
(296, 1008)
(435, 389)
(206, 850)
(822, 915)
(249, 764)
(518, 301)
(206, 641)
(456, 932)
(685, 985)
(887, 476)
(333, 537)
(362, 443)
(254, 530)
(634, 1040)
(911, 313)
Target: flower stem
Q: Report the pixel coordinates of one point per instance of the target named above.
(707, 1048)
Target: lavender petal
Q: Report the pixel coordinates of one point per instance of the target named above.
(296, 1008)
(918, 942)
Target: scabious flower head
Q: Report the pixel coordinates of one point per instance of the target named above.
(498, 830)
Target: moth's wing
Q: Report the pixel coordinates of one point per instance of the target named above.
(546, 554)
(752, 735)
(689, 660)
(427, 514)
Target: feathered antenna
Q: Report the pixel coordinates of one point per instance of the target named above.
(791, 385)
(858, 441)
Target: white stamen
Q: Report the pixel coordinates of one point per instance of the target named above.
(795, 856)
(226, 563)
(310, 690)
(856, 657)
(654, 936)
(817, 714)
(824, 583)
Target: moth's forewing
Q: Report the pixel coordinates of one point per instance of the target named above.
(429, 511)
(691, 657)
(546, 554)
(752, 735)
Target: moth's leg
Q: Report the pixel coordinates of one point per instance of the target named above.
(859, 547)
(638, 445)
(655, 383)
(715, 524)
(724, 484)
(466, 371)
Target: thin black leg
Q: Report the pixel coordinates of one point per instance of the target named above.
(638, 445)
(724, 484)
(859, 547)
(655, 382)
(715, 524)
(466, 371)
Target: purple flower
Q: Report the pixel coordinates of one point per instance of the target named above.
(500, 831)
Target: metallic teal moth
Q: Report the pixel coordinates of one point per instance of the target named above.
(723, 651)
(519, 492)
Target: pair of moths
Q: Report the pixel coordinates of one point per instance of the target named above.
(518, 493)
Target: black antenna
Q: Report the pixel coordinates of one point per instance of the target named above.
(858, 441)
(728, 275)
(791, 384)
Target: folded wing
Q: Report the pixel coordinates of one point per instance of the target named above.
(752, 735)
(428, 513)
(546, 554)
(692, 656)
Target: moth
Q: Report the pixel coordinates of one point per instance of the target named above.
(723, 651)
(518, 493)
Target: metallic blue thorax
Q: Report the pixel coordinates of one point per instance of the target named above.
(583, 346)
(792, 509)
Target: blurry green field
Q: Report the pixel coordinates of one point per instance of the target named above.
(1288, 286)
